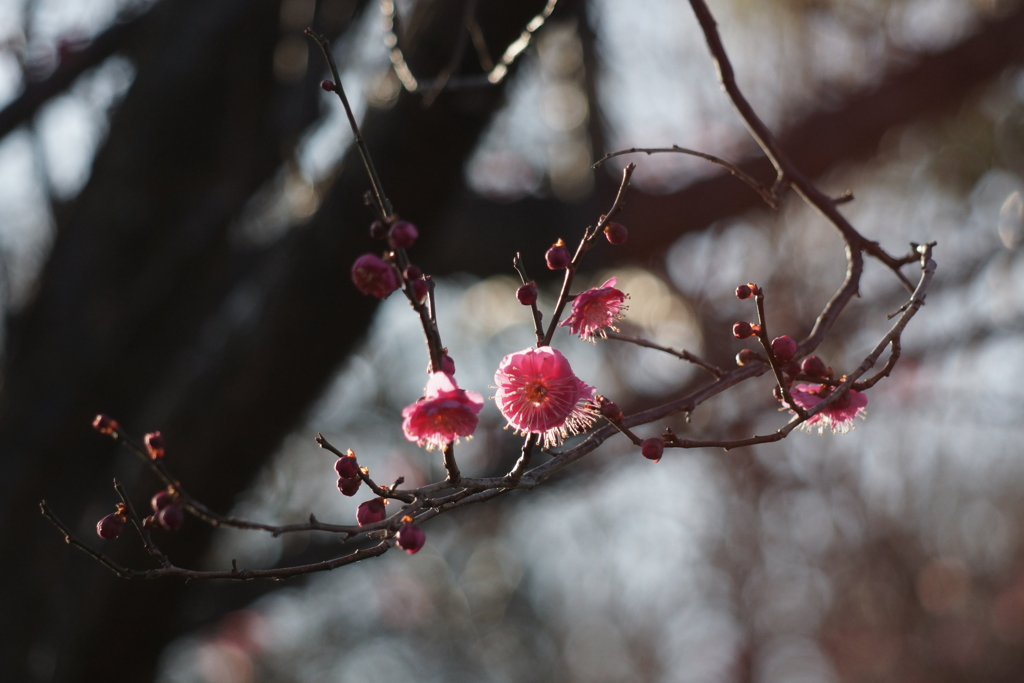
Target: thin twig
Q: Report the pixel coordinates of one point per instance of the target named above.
(383, 203)
(684, 354)
(588, 237)
(766, 193)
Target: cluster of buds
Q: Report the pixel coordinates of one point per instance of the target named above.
(167, 514)
(349, 473)
(378, 277)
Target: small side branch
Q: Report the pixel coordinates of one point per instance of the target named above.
(684, 354)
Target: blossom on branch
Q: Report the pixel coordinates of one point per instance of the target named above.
(594, 310)
(445, 413)
(539, 394)
(838, 417)
(373, 276)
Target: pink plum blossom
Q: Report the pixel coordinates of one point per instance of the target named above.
(594, 310)
(838, 417)
(445, 413)
(539, 394)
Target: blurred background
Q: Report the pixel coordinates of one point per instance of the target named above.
(179, 209)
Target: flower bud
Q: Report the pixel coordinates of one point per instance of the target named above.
(783, 347)
(616, 233)
(652, 449)
(110, 527)
(527, 294)
(420, 290)
(413, 272)
(374, 276)
(742, 330)
(609, 409)
(347, 467)
(349, 485)
(104, 424)
(328, 86)
(410, 538)
(743, 292)
(161, 500)
(745, 356)
(154, 445)
(370, 512)
(447, 364)
(403, 234)
(814, 367)
(557, 256)
(791, 368)
(170, 517)
(378, 230)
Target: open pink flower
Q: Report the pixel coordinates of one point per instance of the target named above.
(538, 394)
(594, 310)
(445, 413)
(838, 417)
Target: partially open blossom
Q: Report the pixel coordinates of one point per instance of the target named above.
(539, 394)
(445, 413)
(410, 537)
(374, 276)
(155, 445)
(594, 310)
(838, 417)
(371, 511)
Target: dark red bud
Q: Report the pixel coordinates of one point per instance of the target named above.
(742, 330)
(610, 410)
(743, 292)
(161, 500)
(374, 276)
(410, 538)
(413, 272)
(349, 486)
(616, 233)
(447, 364)
(783, 347)
(652, 449)
(104, 424)
(170, 517)
(527, 294)
(378, 230)
(403, 235)
(154, 445)
(745, 356)
(347, 467)
(557, 257)
(420, 290)
(328, 86)
(791, 368)
(371, 511)
(814, 367)
(110, 527)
